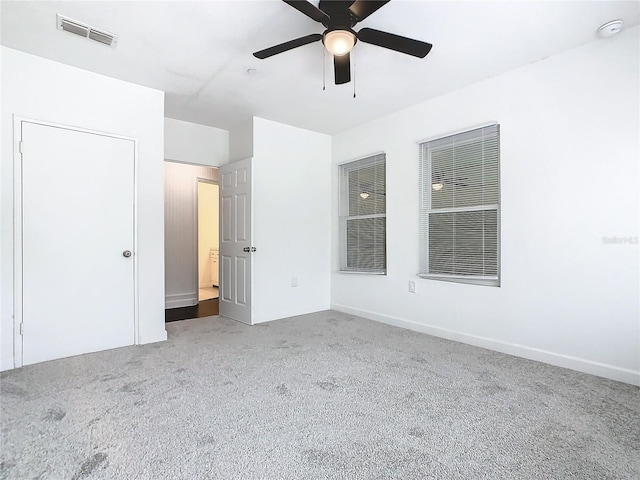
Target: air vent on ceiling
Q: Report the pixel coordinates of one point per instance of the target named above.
(86, 31)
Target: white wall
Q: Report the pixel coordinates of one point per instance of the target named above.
(180, 233)
(41, 89)
(193, 143)
(569, 177)
(291, 220)
(241, 141)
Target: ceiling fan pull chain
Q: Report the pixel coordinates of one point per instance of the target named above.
(354, 75)
(324, 75)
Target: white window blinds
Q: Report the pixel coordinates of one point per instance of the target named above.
(459, 211)
(363, 223)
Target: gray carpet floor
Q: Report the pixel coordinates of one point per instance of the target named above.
(321, 396)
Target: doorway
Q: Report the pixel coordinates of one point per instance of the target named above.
(191, 241)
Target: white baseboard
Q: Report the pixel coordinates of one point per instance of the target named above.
(180, 300)
(291, 313)
(7, 362)
(580, 364)
(160, 336)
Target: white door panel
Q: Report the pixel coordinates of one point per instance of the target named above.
(225, 286)
(242, 235)
(235, 239)
(77, 220)
(241, 281)
(226, 216)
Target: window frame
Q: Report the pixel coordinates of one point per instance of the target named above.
(425, 176)
(344, 169)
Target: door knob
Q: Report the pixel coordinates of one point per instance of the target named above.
(126, 253)
(253, 249)
(246, 249)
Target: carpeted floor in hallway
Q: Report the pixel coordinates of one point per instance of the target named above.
(320, 396)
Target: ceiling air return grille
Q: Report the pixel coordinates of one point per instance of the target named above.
(86, 31)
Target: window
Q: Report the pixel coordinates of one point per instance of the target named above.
(460, 207)
(363, 211)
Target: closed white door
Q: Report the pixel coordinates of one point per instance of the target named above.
(77, 232)
(235, 241)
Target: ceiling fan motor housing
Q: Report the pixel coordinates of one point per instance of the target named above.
(340, 17)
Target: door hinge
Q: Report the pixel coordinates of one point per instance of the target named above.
(20, 146)
(22, 329)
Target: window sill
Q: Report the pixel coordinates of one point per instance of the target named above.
(357, 272)
(484, 281)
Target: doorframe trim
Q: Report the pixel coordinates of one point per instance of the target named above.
(197, 229)
(18, 120)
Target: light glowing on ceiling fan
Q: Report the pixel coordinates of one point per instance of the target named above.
(339, 42)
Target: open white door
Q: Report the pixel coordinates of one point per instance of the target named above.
(77, 242)
(235, 241)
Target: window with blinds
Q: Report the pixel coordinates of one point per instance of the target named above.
(363, 210)
(460, 207)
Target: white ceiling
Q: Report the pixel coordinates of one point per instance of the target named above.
(199, 52)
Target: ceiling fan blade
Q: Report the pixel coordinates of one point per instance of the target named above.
(335, 7)
(308, 9)
(363, 8)
(283, 47)
(342, 68)
(394, 42)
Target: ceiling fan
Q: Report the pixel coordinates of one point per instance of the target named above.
(339, 17)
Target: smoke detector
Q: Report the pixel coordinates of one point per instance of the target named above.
(609, 29)
(87, 31)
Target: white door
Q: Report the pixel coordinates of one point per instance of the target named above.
(77, 227)
(235, 241)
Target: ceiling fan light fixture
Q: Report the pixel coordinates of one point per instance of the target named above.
(339, 42)
(364, 195)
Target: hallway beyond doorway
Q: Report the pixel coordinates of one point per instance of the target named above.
(206, 308)
(207, 293)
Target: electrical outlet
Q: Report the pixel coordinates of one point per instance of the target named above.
(294, 281)
(412, 286)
